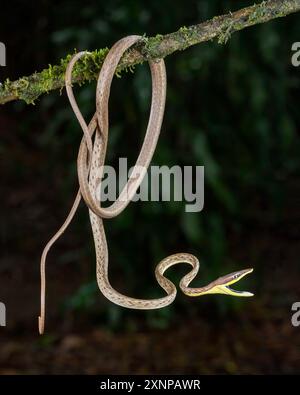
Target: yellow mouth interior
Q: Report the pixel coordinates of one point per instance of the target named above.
(234, 292)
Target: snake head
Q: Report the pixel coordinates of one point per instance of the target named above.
(221, 285)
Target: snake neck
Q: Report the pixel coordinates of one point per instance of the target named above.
(211, 288)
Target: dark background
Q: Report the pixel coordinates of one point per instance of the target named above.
(233, 108)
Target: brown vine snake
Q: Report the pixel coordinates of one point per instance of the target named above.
(90, 163)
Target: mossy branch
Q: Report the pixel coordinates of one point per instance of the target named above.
(220, 28)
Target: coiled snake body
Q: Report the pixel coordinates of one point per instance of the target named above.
(90, 163)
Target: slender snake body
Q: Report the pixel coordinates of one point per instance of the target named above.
(90, 161)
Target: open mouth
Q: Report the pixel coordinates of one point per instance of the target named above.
(237, 278)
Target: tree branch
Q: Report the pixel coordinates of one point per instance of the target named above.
(220, 28)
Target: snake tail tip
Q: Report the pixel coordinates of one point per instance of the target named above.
(41, 326)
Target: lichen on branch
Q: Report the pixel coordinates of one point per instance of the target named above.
(87, 68)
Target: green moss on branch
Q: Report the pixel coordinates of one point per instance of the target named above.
(220, 28)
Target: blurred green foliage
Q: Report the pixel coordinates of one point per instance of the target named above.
(231, 108)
